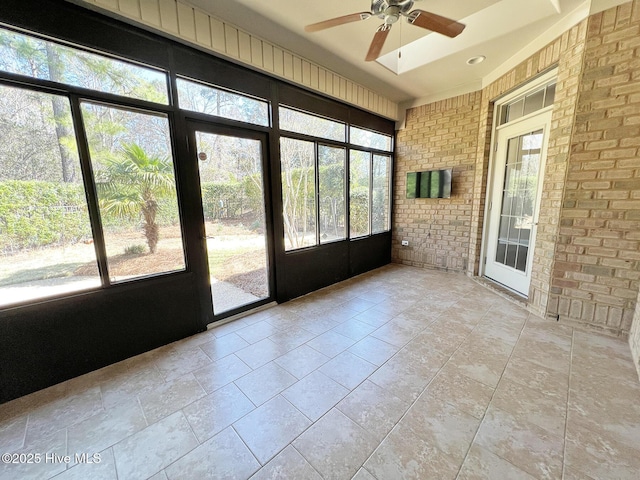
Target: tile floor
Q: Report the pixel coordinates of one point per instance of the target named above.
(399, 373)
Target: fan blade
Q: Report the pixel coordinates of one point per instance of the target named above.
(334, 22)
(378, 42)
(435, 23)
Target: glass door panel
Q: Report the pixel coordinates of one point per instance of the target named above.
(514, 201)
(232, 189)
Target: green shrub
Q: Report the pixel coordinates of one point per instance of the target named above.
(35, 214)
(138, 249)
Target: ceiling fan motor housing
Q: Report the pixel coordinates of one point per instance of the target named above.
(385, 8)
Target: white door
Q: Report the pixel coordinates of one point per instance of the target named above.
(515, 200)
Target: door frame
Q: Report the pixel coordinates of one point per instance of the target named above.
(493, 158)
(202, 270)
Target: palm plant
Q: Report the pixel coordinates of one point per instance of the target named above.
(131, 184)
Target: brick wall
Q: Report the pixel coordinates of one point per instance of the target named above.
(596, 274)
(634, 336)
(434, 137)
(440, 135)
(586, 266)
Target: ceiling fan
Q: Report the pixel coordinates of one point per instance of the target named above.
(391, 11)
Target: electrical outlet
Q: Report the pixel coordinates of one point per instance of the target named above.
(405, 243)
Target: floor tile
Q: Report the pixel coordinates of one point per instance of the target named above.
(182, 361)
(600, 456)
(292, 338)
(265, 382)
(548, 412)
(215, 412)
(257, 331)
(373, 350)
(464, 393)
(404, 455)
(170, 397)
(221, 373)
(482, 361)
(348, 369)
(315, 394)
(106, 428)
(440, 424)
(396, 333)
(542, 379)
(373, 408)
(223, 456)
(335, 446)
(524, 444)
(301, 361)
(154, 448)
(363, 474)
(63, 412)
(271, 427)
(104, 469)
(220, 347)
(288, 464)
(54, 444)
(373, 317)
(127, 387)
(354, 329)
(331, 343)
(260, 353)
(481, 464)
(12, 433)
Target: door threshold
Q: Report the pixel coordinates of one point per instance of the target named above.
(237, 316)
(503, 291)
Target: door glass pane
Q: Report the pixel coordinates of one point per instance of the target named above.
(331, 161)
(198, 97)
(359, 175)
(132, 163)
(37, 58)
(380, 204)
(231, 182)
(298, 193)
(46, 245)
(518, 204)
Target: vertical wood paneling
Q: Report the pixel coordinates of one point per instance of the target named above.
(267, 57)
(231, 40)
(197, 26)
(257, 57)
(288, 65)
(169, 16)
(297, 69)
(150, 12)
(203, 29)
(186, 22)
(110, 4)
(218, 41)
(130, 8)
(244, 46)
(278, 61)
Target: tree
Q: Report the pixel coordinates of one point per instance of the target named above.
(132, 183)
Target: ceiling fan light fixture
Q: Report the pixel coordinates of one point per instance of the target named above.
(476, 60)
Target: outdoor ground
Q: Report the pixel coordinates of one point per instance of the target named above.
(236, 256)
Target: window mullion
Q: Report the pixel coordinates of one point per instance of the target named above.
(316, 153)
(90, 191)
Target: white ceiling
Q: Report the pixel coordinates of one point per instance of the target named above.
(432, 66)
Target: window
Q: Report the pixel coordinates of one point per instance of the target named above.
(46, 243)
(132, 163)
(308, 124)
(528, 103)
(43, 59)
(381, 190)
(198, 97)
(370, 139)
(359, 182)
(331, 172)
(297, 158)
